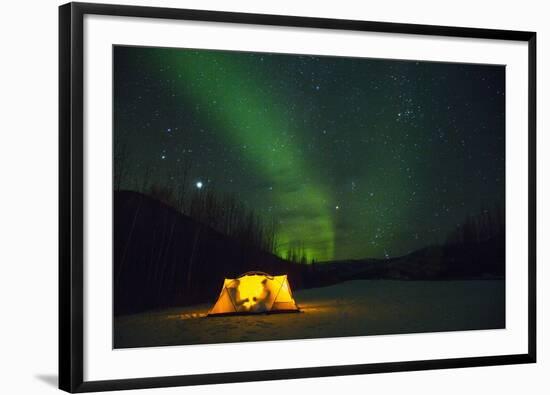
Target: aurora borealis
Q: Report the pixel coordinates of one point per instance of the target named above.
(352, 158)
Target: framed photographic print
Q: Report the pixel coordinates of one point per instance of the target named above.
(239, 188)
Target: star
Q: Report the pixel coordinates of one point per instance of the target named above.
(199, 184)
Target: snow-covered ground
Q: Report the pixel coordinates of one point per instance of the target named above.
(353, 308)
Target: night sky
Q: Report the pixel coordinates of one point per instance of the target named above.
(352, 157)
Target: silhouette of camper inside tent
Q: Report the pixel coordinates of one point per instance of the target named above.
(260, 305)
(235, 295)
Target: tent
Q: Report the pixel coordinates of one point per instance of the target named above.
(255, 292)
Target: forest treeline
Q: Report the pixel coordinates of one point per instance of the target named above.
(219, 211)
(486, 225)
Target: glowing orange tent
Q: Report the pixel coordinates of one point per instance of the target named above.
(255, 292)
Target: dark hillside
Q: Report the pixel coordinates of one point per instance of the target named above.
(460, 261)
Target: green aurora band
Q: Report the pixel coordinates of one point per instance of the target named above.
(258, 122)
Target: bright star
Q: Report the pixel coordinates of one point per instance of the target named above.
(199, 184)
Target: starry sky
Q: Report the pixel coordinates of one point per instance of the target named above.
(352, 157)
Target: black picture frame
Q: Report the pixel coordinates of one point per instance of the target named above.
(71, 223)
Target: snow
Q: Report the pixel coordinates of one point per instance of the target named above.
(353, 308)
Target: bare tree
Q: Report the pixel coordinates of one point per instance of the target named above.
(145, 180)
(120, 161)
